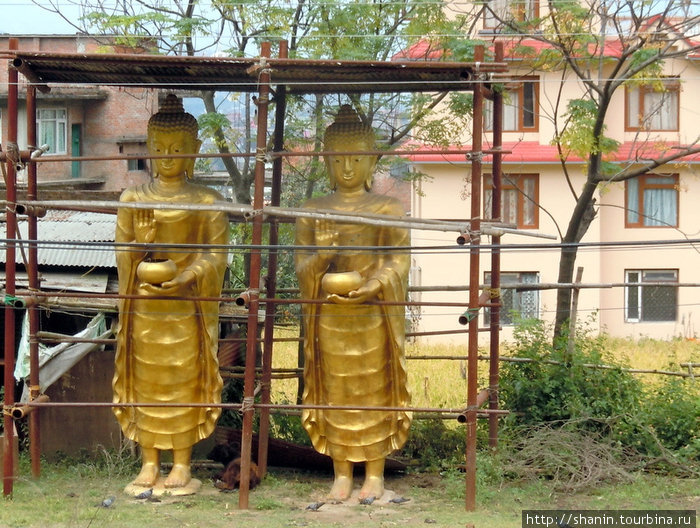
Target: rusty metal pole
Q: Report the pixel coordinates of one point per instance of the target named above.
(271, 281)
(473, 345)
(495, 320)
(10, 268)
(251, 344)
(33, 275)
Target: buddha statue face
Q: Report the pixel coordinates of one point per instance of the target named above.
(173, 142)
(173, 131)
(351, 171)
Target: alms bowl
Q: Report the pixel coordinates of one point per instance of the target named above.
(156, 271)
(341, 283)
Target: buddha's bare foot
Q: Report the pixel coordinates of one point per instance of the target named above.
(148, 475)
(372, 487)
(179, 476)
(341, 490)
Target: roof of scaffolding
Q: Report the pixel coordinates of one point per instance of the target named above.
(242, 74)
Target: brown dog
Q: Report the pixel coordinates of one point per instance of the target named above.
(231, 477)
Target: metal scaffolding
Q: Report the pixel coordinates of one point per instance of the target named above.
(271, 79)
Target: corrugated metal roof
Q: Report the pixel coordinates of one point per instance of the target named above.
(94, 233)
(242, 74)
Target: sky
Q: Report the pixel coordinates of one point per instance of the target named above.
(25, 17)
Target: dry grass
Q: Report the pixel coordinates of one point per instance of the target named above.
(442, 382)
(652, 354)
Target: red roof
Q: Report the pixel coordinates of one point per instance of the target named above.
(515, 48)
(534, 152)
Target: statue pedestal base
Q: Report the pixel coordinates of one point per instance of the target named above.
(159, 489)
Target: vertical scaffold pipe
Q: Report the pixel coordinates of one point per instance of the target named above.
(255, 258)
(495, 297)
(271, 281)
(9, 471)
(473, 344)
(33, 275)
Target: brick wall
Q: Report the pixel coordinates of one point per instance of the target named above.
(110, 120)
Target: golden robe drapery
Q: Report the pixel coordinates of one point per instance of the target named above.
(167, 347)
(354, 352)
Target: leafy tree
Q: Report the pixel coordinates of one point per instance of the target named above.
(317, 30)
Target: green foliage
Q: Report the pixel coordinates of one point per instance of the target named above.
(288, 427)
(432, 446)
(579, 135)
(646, 66)
(461, 103)
(557, 390)
(232, 393)
(569, 26)
(461, 49)
(673, 411)
(125, 27)
(668, 425)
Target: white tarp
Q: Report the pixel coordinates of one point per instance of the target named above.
(56, 361)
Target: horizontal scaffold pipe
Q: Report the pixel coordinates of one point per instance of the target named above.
(247, 211)
(267, 156)
(257, 405)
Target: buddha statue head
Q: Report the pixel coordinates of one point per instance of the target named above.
(171, 130)
(349, 134)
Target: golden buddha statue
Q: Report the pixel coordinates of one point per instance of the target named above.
(354, 351)
(167, 337)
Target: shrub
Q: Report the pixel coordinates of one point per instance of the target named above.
(658, 426)
(556, 387)
(432, 446)
(673, 411)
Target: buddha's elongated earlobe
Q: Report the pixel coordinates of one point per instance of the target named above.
(370, 174)
(331, 178)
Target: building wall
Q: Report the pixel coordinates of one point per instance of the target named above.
(445, 194)
(112, 120)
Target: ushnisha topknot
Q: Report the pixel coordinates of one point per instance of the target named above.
(347, 125)
(172, 116)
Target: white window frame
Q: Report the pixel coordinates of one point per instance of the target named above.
(635, 298)
(57, 125)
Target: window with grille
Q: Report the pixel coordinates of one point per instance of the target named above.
(652, 201)
(515, 304)
(651, 295)
(519, 197)
(51, 126)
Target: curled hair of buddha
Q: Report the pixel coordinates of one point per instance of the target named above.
(347, 125)
(171, 116)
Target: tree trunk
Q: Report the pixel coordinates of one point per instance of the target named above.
(581, 218)
(240, 180)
